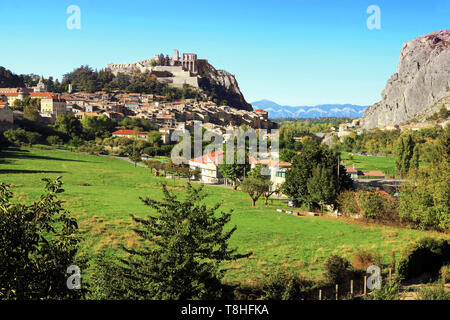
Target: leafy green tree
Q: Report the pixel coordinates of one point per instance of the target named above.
(255, 187)
(184, 244)
(303, 166)
(135, 157)
(33, 137)
(322, 185)
(31, 113)
(17, 137)
(154, 138)
(287, 155)
(9, 79)
(54, 140)
(69, 125)
(98, 126)
(151, 164)
(424, 200)
(38, 242)
(234, 171)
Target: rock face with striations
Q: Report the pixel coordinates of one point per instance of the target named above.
(224, 83)
(421, 81)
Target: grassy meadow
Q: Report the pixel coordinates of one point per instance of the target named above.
(365, 163)
(102, 193)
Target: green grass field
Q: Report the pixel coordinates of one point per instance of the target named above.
(364, 163)
(103, 192)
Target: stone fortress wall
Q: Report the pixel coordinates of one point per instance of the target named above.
(184, 69)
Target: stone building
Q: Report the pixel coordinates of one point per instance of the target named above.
(41, 86)
(52, 106)
(6, 113)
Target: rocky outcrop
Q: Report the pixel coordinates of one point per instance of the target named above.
(224, 84)
(421, 81)
(218, 84)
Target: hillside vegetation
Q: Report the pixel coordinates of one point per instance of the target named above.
(103, 192)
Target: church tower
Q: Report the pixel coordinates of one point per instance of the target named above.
(41, 87)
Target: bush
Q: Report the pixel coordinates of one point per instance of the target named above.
(285, 286)
(363, 259)
(426, 255)
(106, 280)
(388, 291)
(16, 137)
(337, 269)
(372, 204)
(445, 273)
(434, 293)
(54, 140)
(347, 203)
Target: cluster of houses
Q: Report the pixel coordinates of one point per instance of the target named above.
(118, 105)
(208, 165)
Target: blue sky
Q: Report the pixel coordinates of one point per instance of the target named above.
(296, 52)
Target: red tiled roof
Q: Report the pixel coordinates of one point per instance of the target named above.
(374, 173)
(350, 169)
(269, 162)
(260, 110)
(215, 157)
(128, 132)
(41, 94)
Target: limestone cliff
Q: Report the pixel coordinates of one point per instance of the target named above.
(421, 81)
(218, 84)
(223, 84)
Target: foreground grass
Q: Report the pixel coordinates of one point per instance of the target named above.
(102, 193)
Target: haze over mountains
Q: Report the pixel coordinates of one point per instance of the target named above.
(320, 111)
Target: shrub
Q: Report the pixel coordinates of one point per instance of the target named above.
(425, 255)
(16, 137)
(363, 259)
(388, 291)
(436, 292)
(348, 203)
(53, 140)
(285, 286)
(372, 204)
(445, 273)
(337, 269)
(106, 281)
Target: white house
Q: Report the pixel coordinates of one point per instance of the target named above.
(274, 168)
(208, 165)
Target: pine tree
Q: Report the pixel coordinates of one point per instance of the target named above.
(183, 245)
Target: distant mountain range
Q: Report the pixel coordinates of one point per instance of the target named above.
(319, 111)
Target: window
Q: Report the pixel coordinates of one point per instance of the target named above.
(281, 174)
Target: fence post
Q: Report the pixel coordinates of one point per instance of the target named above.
(337, 290)
(365, 285)
(351, 287)
(320, 294)
(390, 274)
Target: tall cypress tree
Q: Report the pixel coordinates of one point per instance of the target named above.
(404, 152)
